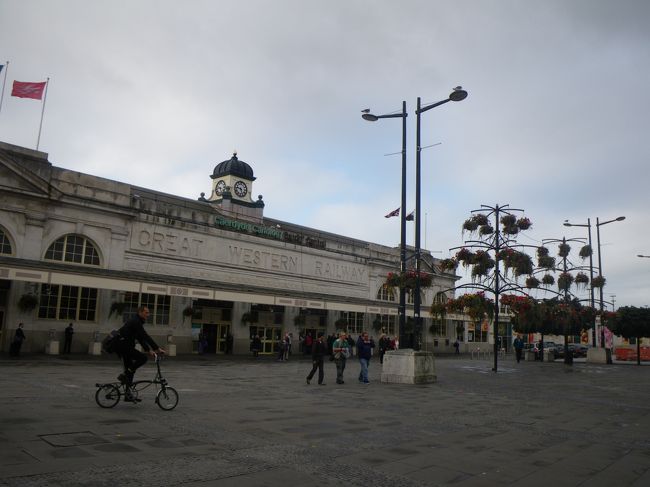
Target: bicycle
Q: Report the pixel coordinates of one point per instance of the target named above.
(109, 394)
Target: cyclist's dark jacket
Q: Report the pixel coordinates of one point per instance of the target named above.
(134, 330)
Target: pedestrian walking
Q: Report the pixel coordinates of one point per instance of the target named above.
(256, 346)
(365, 344)
(319, 350)
(17, 342)
(69, 331)
(457, 347)
(341, 350)
(519, 347)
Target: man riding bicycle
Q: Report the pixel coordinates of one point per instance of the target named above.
(134, 330)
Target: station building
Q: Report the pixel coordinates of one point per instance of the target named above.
(81, 249)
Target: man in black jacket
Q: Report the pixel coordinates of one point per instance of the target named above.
(134, 330)
(318, 352)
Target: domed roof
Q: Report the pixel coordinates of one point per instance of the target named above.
(235, 167)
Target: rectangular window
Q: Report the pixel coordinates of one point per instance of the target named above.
(439, 328)
(67, 303)
(159, 306)
(354, 321)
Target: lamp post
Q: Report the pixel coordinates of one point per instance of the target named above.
(458, 94)
(401, 310)
(600, 274)
(591, 266)
(644, 256)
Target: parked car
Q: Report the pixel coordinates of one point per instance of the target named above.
(575, 349)
(578, 349)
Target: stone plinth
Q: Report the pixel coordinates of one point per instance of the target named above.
(94, 348)
(52, 347)
(171, 349)
(408, 367)
(596, 355)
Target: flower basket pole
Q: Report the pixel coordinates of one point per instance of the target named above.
(490, 275)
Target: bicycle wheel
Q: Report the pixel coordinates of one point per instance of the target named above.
(107, 396)
(167, 398)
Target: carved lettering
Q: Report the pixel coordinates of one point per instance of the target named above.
(341, 272)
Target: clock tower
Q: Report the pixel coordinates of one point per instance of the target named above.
(232, 189)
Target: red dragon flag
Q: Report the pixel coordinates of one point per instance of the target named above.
(392, 213)
(23, 89)
(410, 217)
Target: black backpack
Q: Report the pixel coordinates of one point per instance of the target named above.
(112, 343)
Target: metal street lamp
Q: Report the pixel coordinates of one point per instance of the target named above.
(401, 310)
(600, 274)
(458, 94)
(591, 266)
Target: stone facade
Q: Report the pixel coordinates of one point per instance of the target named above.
(209, 261)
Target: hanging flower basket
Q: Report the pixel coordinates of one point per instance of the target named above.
(485, 230)
(524, 223)
(480, 219)
(511, 230)
(465, 256)
(585, 252)
(581, 279)
(548, 280)
(470, 225)
(188, 312)
(27, 302)
(532, 282)
(524, 265)
(482, 262)
(448, 265)
(542, 251)
(508, 220)
(116, 308)
(546, 262)
(408, 279)
(564, 250)
(393, 279)
(564, 281)
(598, 281)
(249, 317)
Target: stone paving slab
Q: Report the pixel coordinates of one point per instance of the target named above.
(256, 423)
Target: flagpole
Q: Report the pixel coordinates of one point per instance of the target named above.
(3, 85)
(38, 141)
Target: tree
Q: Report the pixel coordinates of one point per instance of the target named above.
(632, 322)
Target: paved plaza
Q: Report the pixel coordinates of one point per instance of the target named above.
(245, 423)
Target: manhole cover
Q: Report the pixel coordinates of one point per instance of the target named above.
(73, 439)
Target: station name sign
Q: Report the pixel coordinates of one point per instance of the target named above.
(250, 228)
(270, 232)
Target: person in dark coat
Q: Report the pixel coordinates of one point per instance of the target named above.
(134, 330)
(318, 352)
(17, 342)
(69, 331)
(365, 344)
(256, 346)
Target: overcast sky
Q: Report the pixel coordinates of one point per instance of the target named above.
(156, 93)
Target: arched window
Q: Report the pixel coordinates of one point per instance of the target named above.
(386, 293)
(58, 302)
(5, 244)
(73, 248)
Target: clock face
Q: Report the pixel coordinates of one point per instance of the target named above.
(241, 189)
(221, 186)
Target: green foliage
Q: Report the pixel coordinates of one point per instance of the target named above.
(27, 302)
(631, 322)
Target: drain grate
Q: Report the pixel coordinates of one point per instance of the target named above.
(77, 438)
